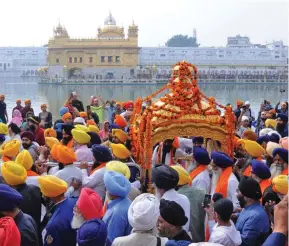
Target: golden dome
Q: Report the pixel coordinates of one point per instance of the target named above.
(110, 29)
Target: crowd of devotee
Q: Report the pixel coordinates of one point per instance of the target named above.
(72, 180)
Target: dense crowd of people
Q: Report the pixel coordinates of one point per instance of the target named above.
(74, 181)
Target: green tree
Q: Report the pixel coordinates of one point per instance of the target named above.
(182, 41)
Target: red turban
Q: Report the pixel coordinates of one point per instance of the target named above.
(28, 135)
(90, 204)
(9, 233)
(129, 104)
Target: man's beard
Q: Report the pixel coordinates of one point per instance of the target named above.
(275, 170)
(216, 177)
(77, 221)
(280, 127)
(65, 140)
(26, 146)
(241, 200)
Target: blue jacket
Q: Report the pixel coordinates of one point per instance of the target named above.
(58, 229)
(253, 224)
(116, 218)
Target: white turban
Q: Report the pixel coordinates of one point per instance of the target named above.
(247, 103)
(264, 132)
(244, 117)
(143, 212)
(79, 120)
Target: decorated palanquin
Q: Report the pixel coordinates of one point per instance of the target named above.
(184, 111)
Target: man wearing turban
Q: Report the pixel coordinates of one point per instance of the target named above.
(14, 132)
(27, 109)
(9, 150)
(27, 139)
(196, 198)
(3, 110)
(224, 180)
(70, 173)
(67, 138)
(280, 156)
(166, 180)
(143, 215)
(252, 223)
(282, 125)
(80, 141)
(116, 215)
(10, 200)
(261, 173)
(88, 206)
(45, 117)
(200, 174)
(95, 181)
(171, 221)
(117, 111)
(33, 123)
(280, 186)
(18, 107)
(58, 229)
(15, 175)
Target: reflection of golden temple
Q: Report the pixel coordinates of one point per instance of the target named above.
(185, 111)
(110, 49)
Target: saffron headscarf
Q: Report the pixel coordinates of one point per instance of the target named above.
(9, 232)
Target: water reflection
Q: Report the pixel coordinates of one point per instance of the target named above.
(54, 96)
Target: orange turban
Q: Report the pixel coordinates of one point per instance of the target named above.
(54, 152)
(27, 101)
(250, 135)
(43, 106)
(18, 101)
(176, 143)
(90, 122)
(65, 155)
(120, 121)
(83, 114)
(239, 103)
(66, 116)
(284, 143)
(120, 134)
(49, 132)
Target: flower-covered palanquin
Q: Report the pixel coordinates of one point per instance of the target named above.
(184, 111)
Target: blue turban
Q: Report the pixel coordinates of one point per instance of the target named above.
(178, 243)
(201, 156)
(63, 111)
(262, 139)
(199, 140)
(94, 138)
(9, 198)
(274, 138)
(113, 126)
(2, 138)
(101, 153)
(260, 169)
(116, 183)
(283, 117)
(221, 159)
(283, 153)
(92, 233)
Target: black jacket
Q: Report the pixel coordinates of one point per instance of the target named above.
(182, 236)
(27, 229)
(31, 203)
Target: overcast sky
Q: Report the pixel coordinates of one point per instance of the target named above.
(30, 22)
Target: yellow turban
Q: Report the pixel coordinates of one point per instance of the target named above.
(80, 136)
(120, 134)
(50, 141)
(10, 148)
(120, 151)
(3, 129)
(13, 173)
(51, 186)
(252, 148)
(271, 122)
(270, 147)
(65, 155)
(81, 128)
(25, 159)
(184, 176)
(92, 128)
(280, 184)
(49, 132)
(119, 167)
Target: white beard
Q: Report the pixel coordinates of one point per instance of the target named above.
(77, 221)
(215, 178)
(275, 170)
